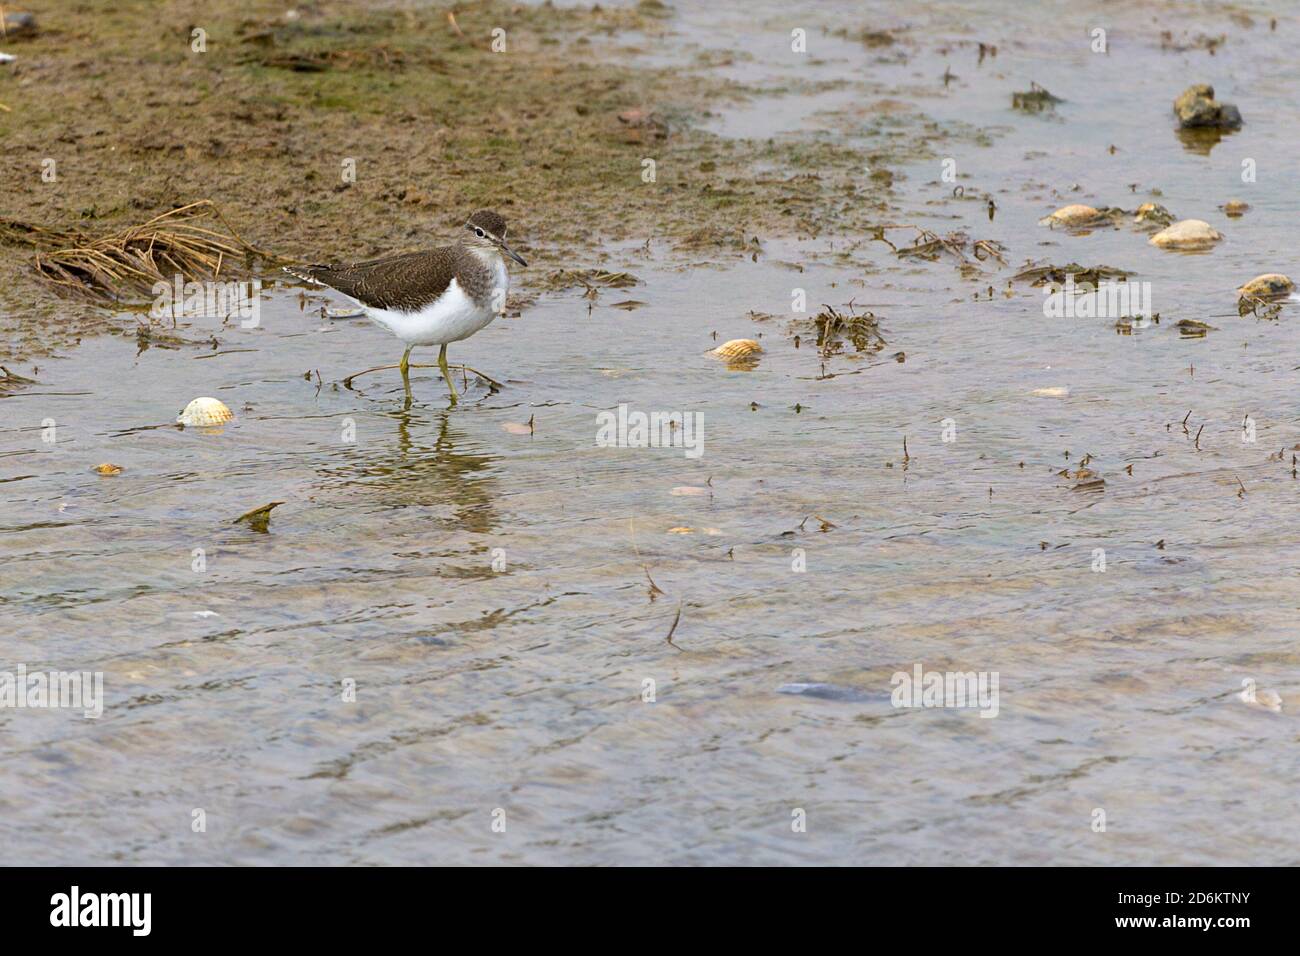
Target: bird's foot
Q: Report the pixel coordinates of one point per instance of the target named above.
(493, 384)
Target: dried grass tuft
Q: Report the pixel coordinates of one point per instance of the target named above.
(180, 242)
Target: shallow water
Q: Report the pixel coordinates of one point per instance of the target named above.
(521, 688)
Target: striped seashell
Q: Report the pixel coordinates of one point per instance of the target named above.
(737, 349)
(203, 412)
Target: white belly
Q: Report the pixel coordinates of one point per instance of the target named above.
(452, 317)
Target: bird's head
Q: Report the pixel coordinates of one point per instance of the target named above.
(487, 231)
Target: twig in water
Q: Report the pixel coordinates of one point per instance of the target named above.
(672, 630)
(655, 590)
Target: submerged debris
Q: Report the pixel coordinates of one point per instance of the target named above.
(1201, 41)
(1039, 274)
(823, 691)
(259, 519)
(834, 328)
(1078, 216)
(868, 37)
(1192, 329)
(1151, 214)
(1197, 108)
(929, 245)
(1034, 100)
(593, 280)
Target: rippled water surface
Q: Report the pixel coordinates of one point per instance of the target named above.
(520, 687)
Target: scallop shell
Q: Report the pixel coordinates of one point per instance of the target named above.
(1075, 215)
(737, 349)
(1271, 285)
(1187, 234)
(205, 411)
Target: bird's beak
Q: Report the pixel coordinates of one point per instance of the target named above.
(512, 254)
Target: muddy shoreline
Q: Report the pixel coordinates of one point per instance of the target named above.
(341, 132)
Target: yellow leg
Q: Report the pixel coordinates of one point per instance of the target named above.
(405, 366)
(496, 386)
(446, 373)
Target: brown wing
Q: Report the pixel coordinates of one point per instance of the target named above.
(405, 282)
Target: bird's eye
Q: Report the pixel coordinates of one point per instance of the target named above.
(479, 233)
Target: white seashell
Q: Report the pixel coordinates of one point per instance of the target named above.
(203, 412)
(1075, 215)
(1269, 700)
(1187, 234)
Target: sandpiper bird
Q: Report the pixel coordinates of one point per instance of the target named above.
(435, 297)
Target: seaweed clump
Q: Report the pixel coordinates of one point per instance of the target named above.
(1034, 100)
